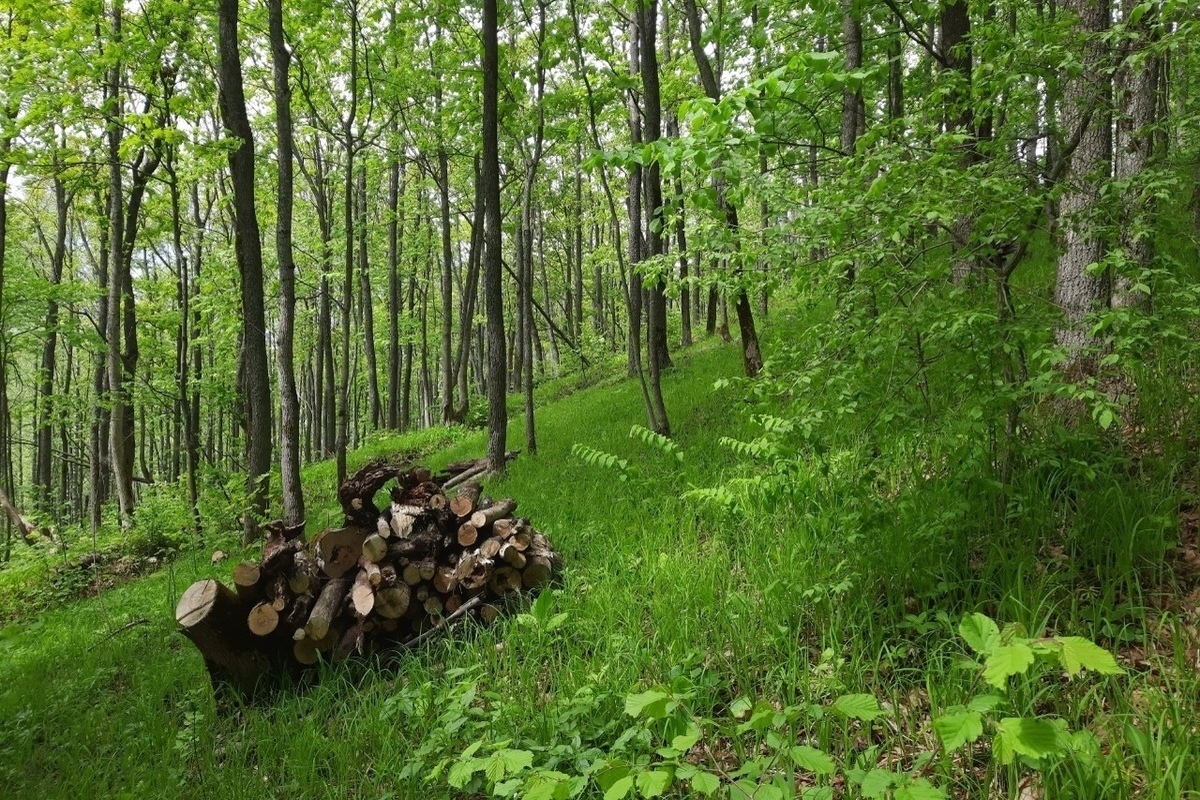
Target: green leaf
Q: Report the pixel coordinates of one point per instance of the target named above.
(547, 786)
(740, 707)
(705, 783)
(920, 789)
(653, 783)
(955, 730)
(1036, 738)
(652, 703)
(858, 706)
(516, 760)
(985, 702)
(619, 789)
(1007, 660)
(812, 759)
(1079, 653)
(768, 792)
(686, 741)
(461, 772)
(876, 783)
(980, 633)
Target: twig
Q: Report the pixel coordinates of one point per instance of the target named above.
(125, 627)
(465, 608)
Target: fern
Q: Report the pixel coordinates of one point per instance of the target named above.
(598, 458)
(656, 440)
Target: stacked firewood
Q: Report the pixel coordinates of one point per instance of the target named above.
(389, 579)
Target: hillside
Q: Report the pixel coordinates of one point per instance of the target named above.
(825, 616)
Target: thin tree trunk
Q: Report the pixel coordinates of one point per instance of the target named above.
(492, 277)
(368, 306)
(656, 329)
(289, 441)
(395, 289)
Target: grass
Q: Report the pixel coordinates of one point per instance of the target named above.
(839, 565)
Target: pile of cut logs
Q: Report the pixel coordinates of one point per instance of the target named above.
(388, 580)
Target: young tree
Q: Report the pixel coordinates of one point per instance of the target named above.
(492, 286)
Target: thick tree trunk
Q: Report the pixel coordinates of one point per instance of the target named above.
(289, 442)
(1079, 291)
(249, 257)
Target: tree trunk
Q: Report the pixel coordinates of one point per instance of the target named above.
(395, 290)
(446, 361)
(289, 414)
(656, 329)
(249, 257)
(368, 306)
(43, 475)
(1136, 105)
(492, 285)
(1079, 291)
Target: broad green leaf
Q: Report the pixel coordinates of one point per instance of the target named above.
(768, 792)
(858, 706)
(516, 760)
(461, 772)
(980, 633)
(547, 786)
(955, 730)
(920, 789)
(653, 783)
(876, 783)
(985, 702)
(812, 760)
(705, 783)
(1006, 660)
(619, 789)
(686, 741)
(652, 703)
(1036, 738)
(1078, 653)
(817, 793)
(740, 707)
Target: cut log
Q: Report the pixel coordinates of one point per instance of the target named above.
(504, 580)
(392, 601)
(374, 548)
(463, 504)
(263, 619)
(213, 619)
(362, 594)
(538, 572)
(305, 651)
(401, 523)
(326, 608)
(512, 556)
(245, 580)
(486, 516)
(444, 580)
(373, 572)
(339, 550)
(465, 476)
(411, 574)
(357, 493)
(468, 534)
(304, 573)
(434, 606)
(504, 528)
(488, 613)
(351, 641)
(437, 501)
(277, 552)
(490, 548)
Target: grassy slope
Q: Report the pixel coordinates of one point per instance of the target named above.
(807, 602)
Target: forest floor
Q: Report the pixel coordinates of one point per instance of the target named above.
(802, 645)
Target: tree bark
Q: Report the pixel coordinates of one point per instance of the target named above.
(289, 414)
(656, 328)
(249, 257)
(492, 286)
(1079, 292)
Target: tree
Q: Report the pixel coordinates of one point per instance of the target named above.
(249, 258)
(289, 401)
(492, 286)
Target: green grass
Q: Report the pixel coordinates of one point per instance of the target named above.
(837, 567)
